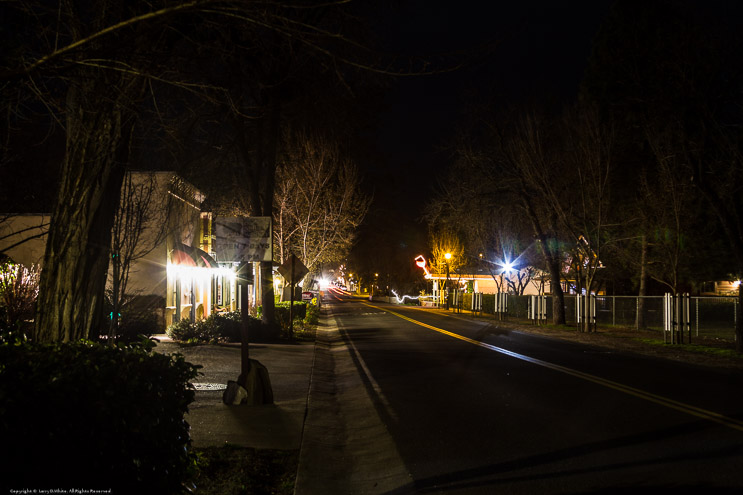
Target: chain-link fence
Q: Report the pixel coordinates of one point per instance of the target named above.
(710, 317)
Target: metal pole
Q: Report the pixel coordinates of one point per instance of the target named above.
(447, 286)
(291, 300)
(242, 289)
(687, 316)
(614, 310)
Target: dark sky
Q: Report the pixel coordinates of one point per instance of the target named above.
(514, 51)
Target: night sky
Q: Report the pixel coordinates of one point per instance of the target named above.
(509, 52)
(512, 52)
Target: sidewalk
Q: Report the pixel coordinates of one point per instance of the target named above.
(275, 426)
(346, 447)
(323, 408)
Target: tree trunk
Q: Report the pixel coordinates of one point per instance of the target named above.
(114, 323)
(739, 320)
(72, 284)
(558, 297)
(551, 256)
(269, 167)
(268, 303)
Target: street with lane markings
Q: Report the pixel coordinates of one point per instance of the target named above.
(474, 407)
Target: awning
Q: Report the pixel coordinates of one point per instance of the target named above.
(190, 256)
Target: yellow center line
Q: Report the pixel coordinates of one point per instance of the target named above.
(642, 394)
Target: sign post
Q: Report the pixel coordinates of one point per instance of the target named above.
(293, 271)
(245, 240)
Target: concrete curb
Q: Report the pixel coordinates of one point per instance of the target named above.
(345, 446)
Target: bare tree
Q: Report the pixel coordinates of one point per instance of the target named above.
(530, 161)
(103, 57)
(587, 214)
(13, 235)
(318, 204)
(718, 176)
(142, 223)
(667, 201)
(19, 288)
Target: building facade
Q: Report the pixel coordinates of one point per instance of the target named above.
(163, 249)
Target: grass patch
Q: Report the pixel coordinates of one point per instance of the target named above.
(232, 470)
(563, 327)
(697, 348)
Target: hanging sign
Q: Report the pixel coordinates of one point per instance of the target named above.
(243, 239)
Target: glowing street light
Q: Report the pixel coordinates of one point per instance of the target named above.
(508, 266)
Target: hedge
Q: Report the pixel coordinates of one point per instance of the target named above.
(218, 327)
(89, 416)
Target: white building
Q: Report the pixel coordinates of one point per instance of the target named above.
(165, 233)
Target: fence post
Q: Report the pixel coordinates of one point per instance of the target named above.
(678, 327)
(614, 311)
(537, 309)
(591, 299)
(531, 309)
(476, 302)
(667, 316)
(501, 305)
(687, 315)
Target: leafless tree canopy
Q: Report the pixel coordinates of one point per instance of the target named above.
(318, 204)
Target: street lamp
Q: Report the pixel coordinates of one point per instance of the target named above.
(374, 282)
(447, 257)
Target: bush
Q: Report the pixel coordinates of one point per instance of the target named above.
(218, 327)
(184, 331)
(140, 316)
(282, 313)
(282, 310)
(135, 324)
(223, 326)
(312, 316)
(87, 415)
(19, 287)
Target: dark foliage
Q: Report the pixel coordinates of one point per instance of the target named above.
(86, 415)
(225, 326)
(218, 327)
(233, 469)
(139, 317)
(312, 314)
(282, 312)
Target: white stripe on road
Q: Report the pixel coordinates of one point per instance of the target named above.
(642, 394)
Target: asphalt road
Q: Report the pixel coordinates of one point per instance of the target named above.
(476, 408)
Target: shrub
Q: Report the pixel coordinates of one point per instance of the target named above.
(223, 326)
(139, 316)
(312, 316)
(218, 327)
(183, 331)
(256, 328)
(282, 313)
(303, 330)
(87, 415)
(19, 287)
(135, 324)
